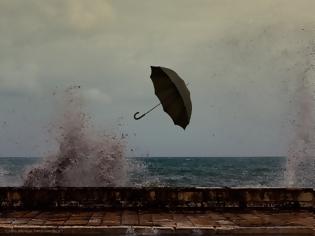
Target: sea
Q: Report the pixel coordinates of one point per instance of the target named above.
(180, 171)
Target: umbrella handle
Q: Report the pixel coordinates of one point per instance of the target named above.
(138, 118)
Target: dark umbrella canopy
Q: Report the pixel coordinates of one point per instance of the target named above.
(173, 94)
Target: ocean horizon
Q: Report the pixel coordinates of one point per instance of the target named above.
(263, 171)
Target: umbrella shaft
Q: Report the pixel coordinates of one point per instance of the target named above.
(139, 117)
(136, 115)
(152, 108)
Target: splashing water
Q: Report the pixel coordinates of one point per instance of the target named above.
(301, 152)
(84, 158)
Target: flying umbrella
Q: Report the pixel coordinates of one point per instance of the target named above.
(173, 94)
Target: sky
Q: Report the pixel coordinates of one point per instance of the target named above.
(240, 58)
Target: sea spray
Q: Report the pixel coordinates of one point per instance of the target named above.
(301, 152)
(84, 157)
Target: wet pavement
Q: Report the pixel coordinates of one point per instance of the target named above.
(121, 222)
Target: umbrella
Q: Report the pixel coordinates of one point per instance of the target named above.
(173, 94)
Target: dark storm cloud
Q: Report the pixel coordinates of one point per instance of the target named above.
(240, 58)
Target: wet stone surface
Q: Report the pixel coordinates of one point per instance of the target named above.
(148, 222)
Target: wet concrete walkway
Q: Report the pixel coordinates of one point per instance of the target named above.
(153, 222)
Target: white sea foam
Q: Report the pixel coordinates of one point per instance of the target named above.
(3, 172)
(301, 151)
(85, 157)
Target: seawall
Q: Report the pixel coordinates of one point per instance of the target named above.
(167, 198)
(157, 211)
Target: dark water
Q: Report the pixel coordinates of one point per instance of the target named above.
(12, 169)
(178, 171)
(217, 171)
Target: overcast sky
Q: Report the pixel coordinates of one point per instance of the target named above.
(241, 59)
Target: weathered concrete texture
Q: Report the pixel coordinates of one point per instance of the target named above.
(156, 198)
(120, 222)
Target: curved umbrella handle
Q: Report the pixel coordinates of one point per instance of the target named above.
(138, 118)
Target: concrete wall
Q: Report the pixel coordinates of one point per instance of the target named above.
(157, 198)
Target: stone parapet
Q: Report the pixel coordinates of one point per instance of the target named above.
(171, 198)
